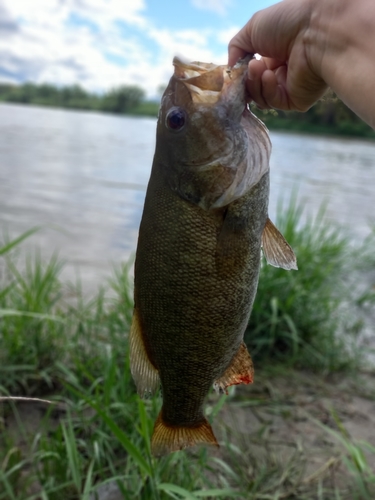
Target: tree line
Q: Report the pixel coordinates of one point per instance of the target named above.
(328, 116)
(121, 99)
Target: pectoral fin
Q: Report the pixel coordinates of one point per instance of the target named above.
(145, 375)
(276, 249)
(240, 371)
(233, 231)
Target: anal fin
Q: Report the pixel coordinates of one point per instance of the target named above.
(167, 438)
(240, 371)
(276, 249)
(145, 375)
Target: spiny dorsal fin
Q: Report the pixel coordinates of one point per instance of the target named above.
(240, 371)
(145, 375)
(276, 249)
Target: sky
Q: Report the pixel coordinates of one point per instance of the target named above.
(101, 44)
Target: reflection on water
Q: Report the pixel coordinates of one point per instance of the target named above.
(82, 176)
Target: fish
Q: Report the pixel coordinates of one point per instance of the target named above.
(198, 257)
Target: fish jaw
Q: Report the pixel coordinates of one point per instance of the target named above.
(209, 83)
(222, 150)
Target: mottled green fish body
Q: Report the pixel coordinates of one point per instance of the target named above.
(197, 265)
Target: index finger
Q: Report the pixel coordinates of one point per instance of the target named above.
(240, 46)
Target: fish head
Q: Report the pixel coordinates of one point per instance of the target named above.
(203, 133)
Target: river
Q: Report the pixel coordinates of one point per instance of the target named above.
(82, 177)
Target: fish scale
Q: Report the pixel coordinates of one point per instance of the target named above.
(198, 254)
(202, 298)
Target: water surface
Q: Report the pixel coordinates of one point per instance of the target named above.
(82, 176)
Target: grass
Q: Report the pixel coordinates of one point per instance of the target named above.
(355, 460)
(307, 318)
(96, 433)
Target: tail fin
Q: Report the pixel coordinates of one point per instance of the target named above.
(167, 438)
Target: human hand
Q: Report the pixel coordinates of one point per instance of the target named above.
(287, 76)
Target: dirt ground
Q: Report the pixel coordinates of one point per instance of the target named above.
(290, 417)
(279, 426)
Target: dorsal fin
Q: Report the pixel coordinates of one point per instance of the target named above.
(276, 249)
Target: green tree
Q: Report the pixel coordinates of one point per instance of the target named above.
(122, 99)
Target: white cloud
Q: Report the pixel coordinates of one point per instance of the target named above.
(81, 41)
(99, 11)
(218, 6)
(224, 36)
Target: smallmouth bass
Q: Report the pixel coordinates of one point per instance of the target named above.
(198, 257)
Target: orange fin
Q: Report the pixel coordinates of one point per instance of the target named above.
(145, 375)
(240, 371)
(167, 438)
(276, 249)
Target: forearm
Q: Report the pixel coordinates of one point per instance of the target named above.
(340, 46)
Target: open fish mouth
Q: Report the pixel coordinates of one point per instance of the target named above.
(206, 81)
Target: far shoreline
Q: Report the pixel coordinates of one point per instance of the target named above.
(149, 110)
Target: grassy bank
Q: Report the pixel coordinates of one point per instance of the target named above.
(309, 123)
(58, 345)
(311, 318)
(329, 116)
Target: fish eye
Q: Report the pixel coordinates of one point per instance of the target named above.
(176, 119)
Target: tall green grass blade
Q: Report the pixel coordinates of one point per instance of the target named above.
(369, 447)
(16, 368)
(125, 442)
(187, 495)
(227, 469)
(72, 453)
(173, 488)
(26, 314)
(9, 492)
(123, 439)
(4, 292)
(144, 427)
(214, 410)
(216, 493)
(356, 463)
(88, 482)
(12, 244)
